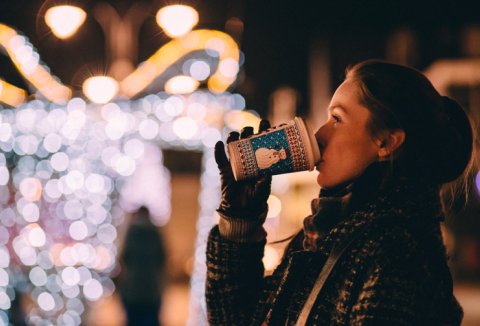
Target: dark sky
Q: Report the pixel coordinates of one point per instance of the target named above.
(276, 39)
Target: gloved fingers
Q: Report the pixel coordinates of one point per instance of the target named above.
(233, 136)
(262, 185)
(264, 125)
(220, 156)
(246, 132)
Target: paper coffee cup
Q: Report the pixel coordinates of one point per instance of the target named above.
(285, 148)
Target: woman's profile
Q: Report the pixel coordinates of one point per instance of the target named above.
(371, 251)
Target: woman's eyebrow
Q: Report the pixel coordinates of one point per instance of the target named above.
(338, 107)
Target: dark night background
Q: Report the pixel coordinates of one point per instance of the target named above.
(276, 39)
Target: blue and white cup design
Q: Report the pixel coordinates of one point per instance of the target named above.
(286, 148)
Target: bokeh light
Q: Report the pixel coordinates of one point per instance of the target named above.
(64, 21)
(100, 89)
(181, 85)
(177, 20)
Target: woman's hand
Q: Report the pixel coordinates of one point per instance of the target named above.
(246, 198)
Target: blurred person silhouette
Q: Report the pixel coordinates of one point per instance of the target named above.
(141, 279)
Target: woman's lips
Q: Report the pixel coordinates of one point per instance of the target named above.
(318, 164)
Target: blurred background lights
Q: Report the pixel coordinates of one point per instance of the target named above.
(64, 21)
(78, 230)
(228, 67)
(92, 289)
(70, 276)
(91, 166)
(4, 175)
(177, 20)
(4, 258)
(36, 236)
(3, 278)
(52, 142)
(30, 212)
(236, 120)
(199, 70)
(38, 276)
(46, 301)
(181, 85)
(148, 129)
(59, 161)
(274, 206)
(185, 127)
(31, 189)
(4, 304)
(11, 95)
(100, 89)
(270, 258)
(5, 131)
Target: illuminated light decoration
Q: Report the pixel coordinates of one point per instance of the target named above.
(181, 85)
(199, 70)
(78, 170)
(100, 89)
(11, 95)
(64, 21)
(177, 20)
(274, 207)
(218, 43)
(27, 61)
(271, 258)
(236, 120)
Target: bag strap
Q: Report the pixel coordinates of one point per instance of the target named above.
(332, 259)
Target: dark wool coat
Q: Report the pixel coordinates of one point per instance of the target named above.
(395, 273)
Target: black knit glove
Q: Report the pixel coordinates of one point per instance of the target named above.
(246, 199)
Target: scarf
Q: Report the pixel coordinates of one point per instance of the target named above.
(327, 210)
(373, 191)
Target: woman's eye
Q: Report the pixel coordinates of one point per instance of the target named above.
(336, 119)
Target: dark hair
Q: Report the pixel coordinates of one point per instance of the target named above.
(438, 133)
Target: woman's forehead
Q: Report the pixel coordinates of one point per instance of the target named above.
(346, 97)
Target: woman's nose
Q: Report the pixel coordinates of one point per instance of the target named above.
(321, 135)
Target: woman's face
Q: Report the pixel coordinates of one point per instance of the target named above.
(346, 145)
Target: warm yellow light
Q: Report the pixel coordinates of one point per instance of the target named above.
(11, 95)
(274, 206)
(181, 85)
(236, 120)
(176, 49)
(64, 21)
(271, 258)
(100, 89)
(21, 54)
(177, 20)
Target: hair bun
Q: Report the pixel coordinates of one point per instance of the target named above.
(455, 133)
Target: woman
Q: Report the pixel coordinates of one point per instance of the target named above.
(390, 143)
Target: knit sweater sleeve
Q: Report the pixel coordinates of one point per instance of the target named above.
(234, 277)
(236, 289)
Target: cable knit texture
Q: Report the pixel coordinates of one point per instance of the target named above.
(395, 273)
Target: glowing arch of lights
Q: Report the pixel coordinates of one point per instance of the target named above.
(114, 125)
(171, 52)
(27, 61)
(11, 94)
